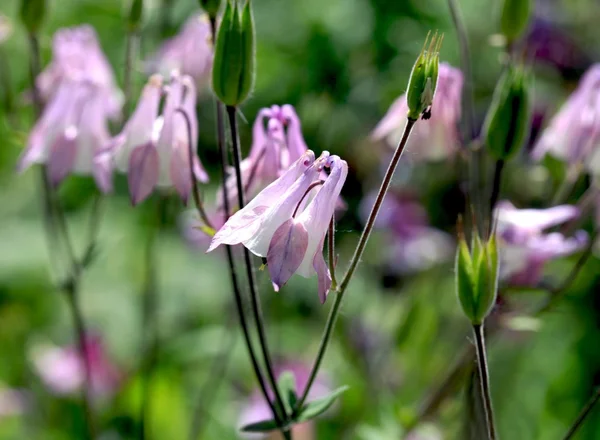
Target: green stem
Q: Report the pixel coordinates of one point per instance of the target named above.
(131, 45)
(586, 411)
(485, 381)
(331, 251)
(255, 303)
(362, 242)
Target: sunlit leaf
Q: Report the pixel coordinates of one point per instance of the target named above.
(317, 407)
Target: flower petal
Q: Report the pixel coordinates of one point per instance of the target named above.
(62, 156)
(286, 252)
(143, 172)
(323, 274)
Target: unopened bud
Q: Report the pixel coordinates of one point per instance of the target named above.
(211, 7)
(135, 15)
(515, 18)
(508, 120)
(235, 59)
(477, 276)
(32, 14)
(423, 79)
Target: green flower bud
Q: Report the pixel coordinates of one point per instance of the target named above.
(135, 15)
(423, 79)
(477, 276)
(211, 7)
(235, 58)
(32, 14)
(515, 18)
(508, 121)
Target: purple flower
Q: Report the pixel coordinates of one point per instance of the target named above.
(71, 131)
(13, 402)
(438, 138)
(288, 220)
(193, 228)
(77, 56)
(277, 142)
(256, 409)
(61, 368)
(525, 247)
(153, 149)
(190, 52)
(413, 245)
(574, 133)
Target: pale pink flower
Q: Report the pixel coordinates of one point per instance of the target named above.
(439, 137)
(5, 28)
(288, 220)
(153, 149)
(190, 52)
(525, 247)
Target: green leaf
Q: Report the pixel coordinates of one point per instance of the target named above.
(287, 387)
(317, 407)
(262, 426)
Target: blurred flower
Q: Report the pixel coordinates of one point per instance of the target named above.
(281, 224)
(412, 245)
(5, 28)
(574, 133)
(272, 152)
(256, 409)
(193, 228)
(70, 132)
(13, 402)
(525, 248)
(61, 368)
(153, 149)
(77, 56)
(190, 52)
(439, 137)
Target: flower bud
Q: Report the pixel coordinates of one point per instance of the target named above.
(423, 79)
(234, 63)
(514, 19)
(211, 7)
(135, 15)
(477, 276)
(509, 117)
(32, 14)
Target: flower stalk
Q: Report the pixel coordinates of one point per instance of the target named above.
(485, 381)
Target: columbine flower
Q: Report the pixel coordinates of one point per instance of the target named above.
(70, 132)
(255, 409)
(273, 150)
(438, 138)
(190, 52)
(574, 133)
(412, 244)
(281, 224)
(153, 149)
(61, 368)
(77, 56)
(525, 248)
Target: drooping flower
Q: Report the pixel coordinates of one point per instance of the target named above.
(77, 56)
(190, 52)
(62, 370)
(525, 247)
(70, 132)
(288, 220)
(194, 230)
(411, 243)
(573, 134)
(439, 137)
(153, 149)
(255, 409)
(274, 148)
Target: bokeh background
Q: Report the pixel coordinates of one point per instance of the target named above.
(340, 63)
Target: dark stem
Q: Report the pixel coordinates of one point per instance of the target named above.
(331, 251)
(327, 332)
(496, 186)
(587, 409)
(485, 380)
(255, 303)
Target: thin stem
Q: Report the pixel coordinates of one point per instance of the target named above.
(130, 51)
(587, 409)
(566, 186)
(385, 184)
(485, 381)
(331, 251)
(255, 303)
(496, 186)
(193, 180)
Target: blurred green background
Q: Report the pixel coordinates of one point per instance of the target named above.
(340, 63)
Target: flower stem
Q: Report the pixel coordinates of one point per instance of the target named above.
(331, 251)
(485, 381)
(586, 411)
(362, 242)
(256, 309)
(496, 186)
(131, 46)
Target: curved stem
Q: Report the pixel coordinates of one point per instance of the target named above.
(485, 381)
(362, 242)
(587, 409)
(331, 251)
(255, 303)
